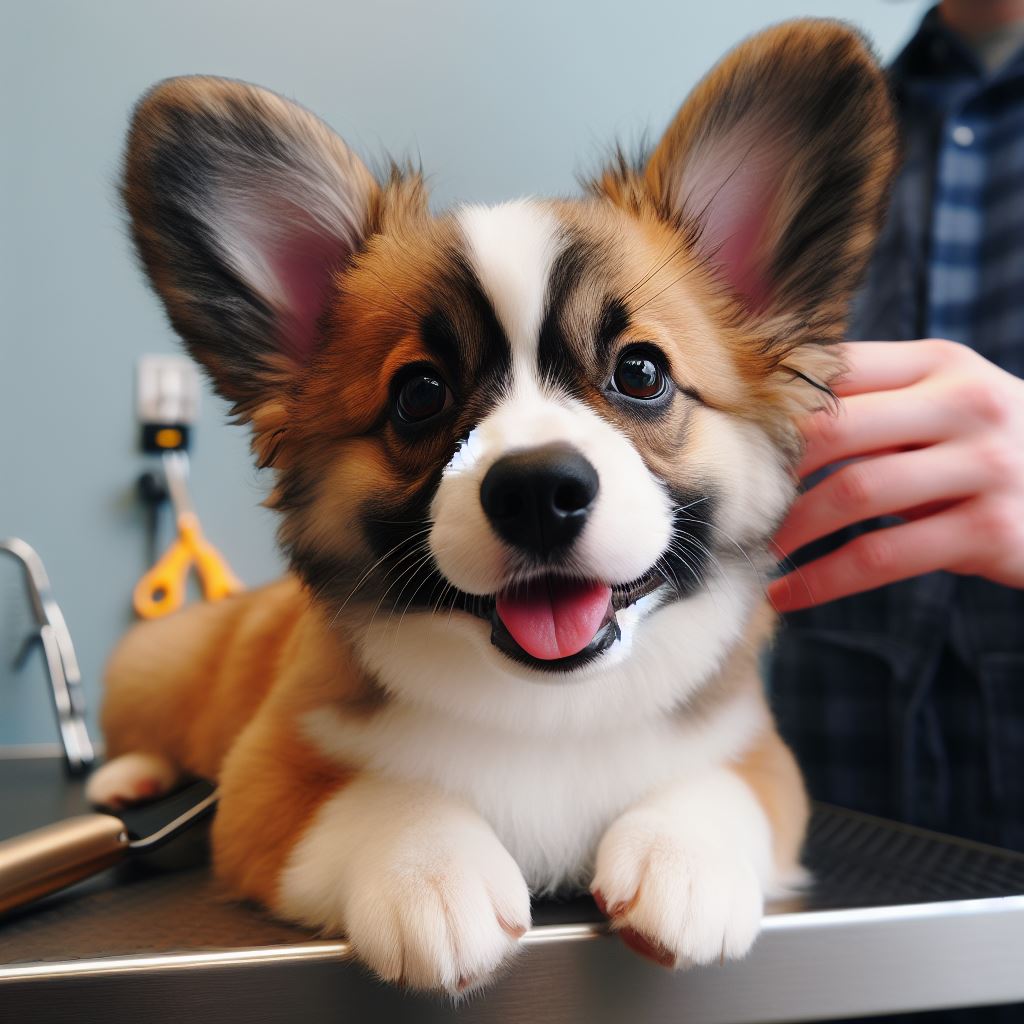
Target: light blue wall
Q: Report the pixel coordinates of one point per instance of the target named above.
(496, 99)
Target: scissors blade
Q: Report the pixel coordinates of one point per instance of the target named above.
(176, 471)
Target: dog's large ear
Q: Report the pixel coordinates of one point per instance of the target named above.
(242, 206)
(778, 167)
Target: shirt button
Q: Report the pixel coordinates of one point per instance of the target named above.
(962, 135)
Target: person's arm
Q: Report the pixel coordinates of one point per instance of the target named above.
(938, 435)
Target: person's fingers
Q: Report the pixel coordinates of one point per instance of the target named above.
(874, 559)
(907, 482)
(983, 536)
(931, 508)
(943, 407)
(890, 365)
(867, 424)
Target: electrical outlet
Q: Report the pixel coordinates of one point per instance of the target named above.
(166, 401)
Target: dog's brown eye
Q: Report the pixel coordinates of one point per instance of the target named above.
(638, 375)
(421, 397)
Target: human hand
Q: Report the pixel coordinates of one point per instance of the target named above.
(938, 435)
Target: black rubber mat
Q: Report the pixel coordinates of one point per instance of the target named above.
(172, 903)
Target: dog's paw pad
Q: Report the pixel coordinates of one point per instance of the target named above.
(130, 779)
(647, 948)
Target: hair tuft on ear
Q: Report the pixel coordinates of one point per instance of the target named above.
(776, 170)
(242, 207)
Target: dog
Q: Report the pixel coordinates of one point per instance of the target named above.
(528, 459)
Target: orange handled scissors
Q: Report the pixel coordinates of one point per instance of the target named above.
(162, 589)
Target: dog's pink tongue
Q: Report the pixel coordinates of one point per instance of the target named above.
(554, 618)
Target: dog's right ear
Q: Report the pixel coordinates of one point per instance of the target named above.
(242, 207)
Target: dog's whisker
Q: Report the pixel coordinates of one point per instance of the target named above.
(387, 554)
(439, 582)
(420, 544)
(366, 578)
(736, 544)
(405, 580)
(664, 567)
(686, 273)
(674, 251)
(681, 537)
(690, 567)
(451, 610)
(409, 577)
(790, 566)
(689, 539)
(445, 589)
(689, 504)
(421, 521)
(418, 550)
(412, 598)
(680, 590)
(327, 583)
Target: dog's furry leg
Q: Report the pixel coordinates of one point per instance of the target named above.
(271, 787)
(417, 881)
(771, 771)
(683, 874)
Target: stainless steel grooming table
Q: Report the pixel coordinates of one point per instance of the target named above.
(898, 920)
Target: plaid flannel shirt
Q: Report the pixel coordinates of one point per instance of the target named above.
(908, 701)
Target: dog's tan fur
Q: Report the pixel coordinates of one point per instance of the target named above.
(226, 691)
(218, 690)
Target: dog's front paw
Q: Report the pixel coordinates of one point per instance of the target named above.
(131, 779)
(443, 919)
(674, 894)
(425, 893)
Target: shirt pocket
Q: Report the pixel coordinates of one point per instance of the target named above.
(1002, 682)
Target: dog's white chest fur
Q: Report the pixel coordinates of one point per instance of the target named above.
(548, 799)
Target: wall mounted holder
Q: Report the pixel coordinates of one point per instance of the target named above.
(58, 656)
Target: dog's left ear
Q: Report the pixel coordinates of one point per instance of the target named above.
(778, 167)
(243, 207)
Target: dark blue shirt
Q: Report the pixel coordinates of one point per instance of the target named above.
(908, 701)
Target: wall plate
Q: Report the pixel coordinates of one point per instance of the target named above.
(166, 390)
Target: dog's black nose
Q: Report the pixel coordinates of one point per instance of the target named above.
(539, 499)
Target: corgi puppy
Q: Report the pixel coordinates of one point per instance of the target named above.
(528, 459)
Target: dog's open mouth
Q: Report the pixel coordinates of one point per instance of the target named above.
(556, 624)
